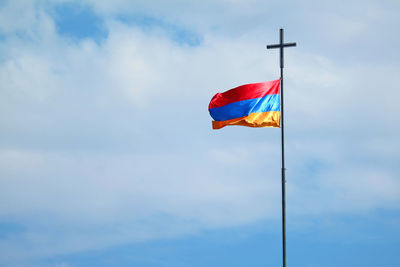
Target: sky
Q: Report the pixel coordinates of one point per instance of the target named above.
(108, 158)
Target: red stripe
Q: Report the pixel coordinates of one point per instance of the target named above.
(244, 92)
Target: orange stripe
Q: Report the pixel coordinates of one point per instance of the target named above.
(259, 119)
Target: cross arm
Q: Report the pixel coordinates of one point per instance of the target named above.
(279, 45)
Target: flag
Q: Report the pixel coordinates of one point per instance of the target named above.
(251, 105)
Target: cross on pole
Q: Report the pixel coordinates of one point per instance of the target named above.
(281, 47)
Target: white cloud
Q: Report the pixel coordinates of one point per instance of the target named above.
(23, 10)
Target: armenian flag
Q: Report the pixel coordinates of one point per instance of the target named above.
(251, 105)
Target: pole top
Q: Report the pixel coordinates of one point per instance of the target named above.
(281, 46)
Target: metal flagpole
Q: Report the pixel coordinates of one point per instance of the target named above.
(281, 46)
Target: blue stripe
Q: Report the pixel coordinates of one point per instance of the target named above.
(245, 107)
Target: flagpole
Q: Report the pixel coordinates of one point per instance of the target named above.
(281, 47)
(283, 156)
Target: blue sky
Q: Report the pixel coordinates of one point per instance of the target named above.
(107, 157)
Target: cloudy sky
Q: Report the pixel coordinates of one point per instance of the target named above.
(107, 156)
